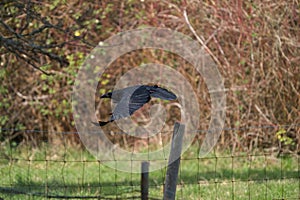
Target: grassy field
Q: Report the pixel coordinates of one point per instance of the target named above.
(52, 173)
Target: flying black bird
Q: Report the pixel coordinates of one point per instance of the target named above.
(132, 98)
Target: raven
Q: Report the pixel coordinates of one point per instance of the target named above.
(132, 98)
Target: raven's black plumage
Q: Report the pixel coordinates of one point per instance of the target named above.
(132, 98)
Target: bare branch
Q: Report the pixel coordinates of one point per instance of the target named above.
(25, 46)
(200, 40)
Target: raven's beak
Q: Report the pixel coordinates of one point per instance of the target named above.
(107, 95)
(162, 94)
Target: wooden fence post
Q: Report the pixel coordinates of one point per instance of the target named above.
(174, 162)
(145, 180)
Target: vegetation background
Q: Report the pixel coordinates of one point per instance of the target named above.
(256, 44)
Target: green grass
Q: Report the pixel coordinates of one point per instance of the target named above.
(65, 172)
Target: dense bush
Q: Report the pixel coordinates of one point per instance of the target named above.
(257, 45)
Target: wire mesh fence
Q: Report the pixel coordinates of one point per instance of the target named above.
(59, 170)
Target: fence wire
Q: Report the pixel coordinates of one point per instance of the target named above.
(61, 171)
(198, 131)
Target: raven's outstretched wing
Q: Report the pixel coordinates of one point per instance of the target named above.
(161, 93)
(128, 105)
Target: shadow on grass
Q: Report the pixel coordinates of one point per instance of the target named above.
(227, 175)
(131, 188)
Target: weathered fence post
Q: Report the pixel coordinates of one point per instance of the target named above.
(145, 180)
(174, 162)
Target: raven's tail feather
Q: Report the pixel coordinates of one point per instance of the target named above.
(103, 123)
(100, 123)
